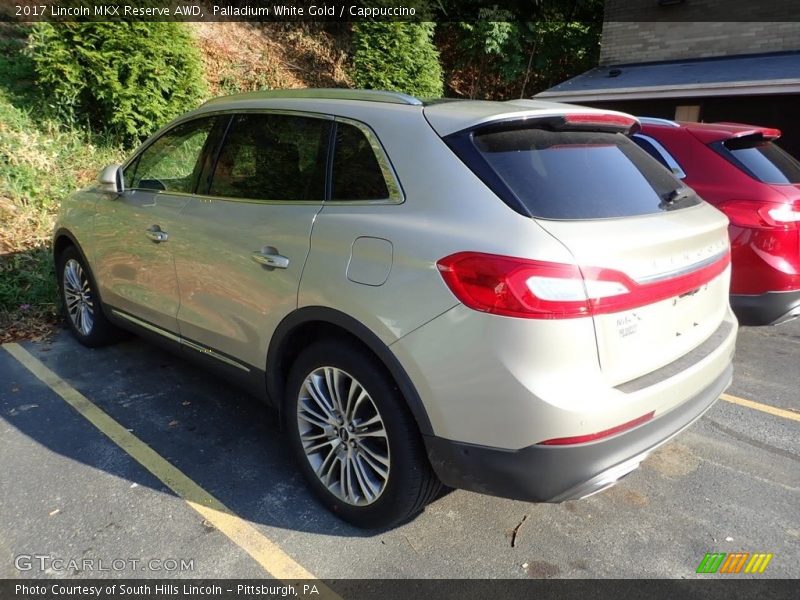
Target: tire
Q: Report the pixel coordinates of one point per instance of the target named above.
(81, 304)
(376, 442)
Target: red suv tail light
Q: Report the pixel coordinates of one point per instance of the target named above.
(531, 289)
(759, 215)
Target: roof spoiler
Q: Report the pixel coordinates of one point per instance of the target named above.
(768, 133)
(577, 121)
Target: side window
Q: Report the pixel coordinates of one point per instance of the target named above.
(657, 151)
(171, 164)
(273, 157)
(357, 173)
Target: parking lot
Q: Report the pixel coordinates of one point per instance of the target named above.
(198, 478)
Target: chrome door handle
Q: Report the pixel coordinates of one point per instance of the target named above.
(271, 259)
(155, 234)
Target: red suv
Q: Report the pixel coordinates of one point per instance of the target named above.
(739, 169)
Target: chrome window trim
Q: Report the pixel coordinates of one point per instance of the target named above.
(216, 113)
(668, 158)
(396, 195)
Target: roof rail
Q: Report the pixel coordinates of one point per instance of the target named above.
(656, 121)
(328, 94)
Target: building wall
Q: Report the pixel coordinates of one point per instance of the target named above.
(643, 31)
(633, 42)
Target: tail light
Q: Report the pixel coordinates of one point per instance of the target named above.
(757, 215)
(531, 289)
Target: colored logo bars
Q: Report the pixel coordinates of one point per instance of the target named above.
(719, 562)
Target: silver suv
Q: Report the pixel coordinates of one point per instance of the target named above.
(506, 297)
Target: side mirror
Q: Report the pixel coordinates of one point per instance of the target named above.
(110, 180)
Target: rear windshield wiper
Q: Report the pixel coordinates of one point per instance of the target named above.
(673, 198)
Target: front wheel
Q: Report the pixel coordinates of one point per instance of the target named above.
(84, 315)
(354, 439)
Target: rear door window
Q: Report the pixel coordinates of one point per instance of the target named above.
(273, 157)
(358, 172)
(575, 174)
(763, 160)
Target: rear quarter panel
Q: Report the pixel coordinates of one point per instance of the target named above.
(447, 209)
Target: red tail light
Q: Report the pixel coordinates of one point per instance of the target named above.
(531, 289)
(590, 437)
(759, 215)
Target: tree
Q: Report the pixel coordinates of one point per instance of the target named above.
(397, 56)
(502, 56)
(123, 79)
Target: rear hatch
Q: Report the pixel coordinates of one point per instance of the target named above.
(755, 153)
(654, 258)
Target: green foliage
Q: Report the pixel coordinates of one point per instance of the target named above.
(502, 55)
(27, 284)
(41, 162)
(397, 56)
(122, 79)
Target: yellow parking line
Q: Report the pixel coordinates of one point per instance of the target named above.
(778, 412)
(274, 560)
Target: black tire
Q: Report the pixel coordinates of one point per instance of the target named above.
(411, 483)
(101, 332)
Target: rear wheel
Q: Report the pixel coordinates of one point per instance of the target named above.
(84, 315)
(354, 439)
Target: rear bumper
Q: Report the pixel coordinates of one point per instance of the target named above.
(770, 308)
(556, 474)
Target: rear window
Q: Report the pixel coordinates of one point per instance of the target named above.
(575, 174)
(763, 160)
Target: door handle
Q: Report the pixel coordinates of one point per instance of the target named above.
(271, 259)
(155, 234)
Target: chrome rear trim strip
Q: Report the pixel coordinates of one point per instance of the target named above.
(683, 270)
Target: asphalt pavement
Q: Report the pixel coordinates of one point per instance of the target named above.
(72, 501)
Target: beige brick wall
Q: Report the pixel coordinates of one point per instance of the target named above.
(643, 31)
(626, 42)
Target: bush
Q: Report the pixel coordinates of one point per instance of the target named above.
(397, 56)
(122, 79)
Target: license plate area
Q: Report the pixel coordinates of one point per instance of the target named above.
(636, 342)
(690, 310)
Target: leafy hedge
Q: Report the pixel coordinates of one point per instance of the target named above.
(397, 56)
(122, 79)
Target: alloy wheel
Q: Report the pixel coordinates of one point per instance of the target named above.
(78, 297)
(343, 436)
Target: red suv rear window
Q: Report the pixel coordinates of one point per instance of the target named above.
(762, 160)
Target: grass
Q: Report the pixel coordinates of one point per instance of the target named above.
(41, 162)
